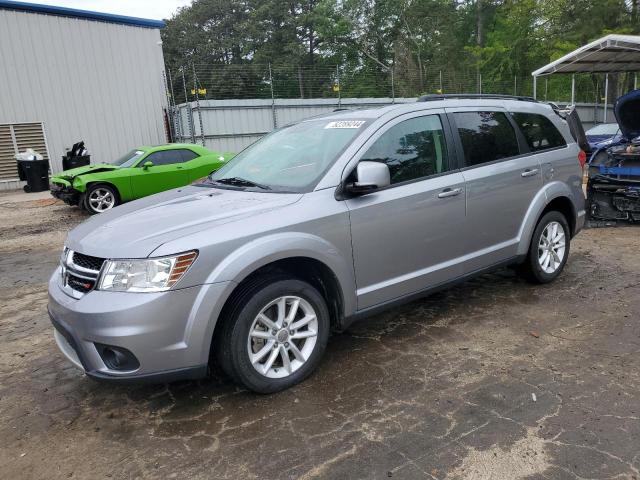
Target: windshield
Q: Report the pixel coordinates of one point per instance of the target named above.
(129, 159)
(291, 159)
(604, 129)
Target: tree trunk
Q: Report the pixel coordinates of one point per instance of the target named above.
(479, 24)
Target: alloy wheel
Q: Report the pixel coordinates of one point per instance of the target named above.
(101, 199)
(551, 247)
(282, 336)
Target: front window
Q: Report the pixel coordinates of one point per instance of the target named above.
(129, 159)
(291, 159)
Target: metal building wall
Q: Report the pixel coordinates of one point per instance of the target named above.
(85, 80)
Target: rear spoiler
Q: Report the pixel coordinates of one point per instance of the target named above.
(570, 115)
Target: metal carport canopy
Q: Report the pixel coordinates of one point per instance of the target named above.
(610, 54)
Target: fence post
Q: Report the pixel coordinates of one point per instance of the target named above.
(635, 81)
(177, 130)
(441, 87)
(171, 132)
(273, 100)
(480, 83)
(515, 85)
(393, 88)
(189, 109)
(195, 86)
(339, 86)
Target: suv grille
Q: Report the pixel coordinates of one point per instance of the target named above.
(80, 272)
(85, 261)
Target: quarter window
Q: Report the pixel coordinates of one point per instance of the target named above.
(486, 137)
(538, 131)
(411, 149)
(186, 155)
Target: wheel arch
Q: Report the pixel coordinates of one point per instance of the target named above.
(305, 268)
(556, 196)
(92, 183)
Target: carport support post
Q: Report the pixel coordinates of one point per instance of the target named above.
(535, 89)
(635, 81)
(606, 97)
(573, 89)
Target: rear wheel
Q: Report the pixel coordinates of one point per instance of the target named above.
(275, 334)
(99, 198)
(549, 249)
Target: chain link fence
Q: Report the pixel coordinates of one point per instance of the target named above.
(194, 90)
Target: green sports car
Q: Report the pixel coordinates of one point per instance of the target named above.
(141, 172)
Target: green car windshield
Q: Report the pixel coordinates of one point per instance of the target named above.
(291, 159)
(129, 159)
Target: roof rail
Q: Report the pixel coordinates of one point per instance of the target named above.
(447, 96)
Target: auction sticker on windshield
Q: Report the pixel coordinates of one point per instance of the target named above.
(345, 124)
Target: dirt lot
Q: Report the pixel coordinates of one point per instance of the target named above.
(495, 379)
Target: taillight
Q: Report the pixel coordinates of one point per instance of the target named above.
(582, 158)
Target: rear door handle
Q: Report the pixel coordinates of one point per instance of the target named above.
(529, 172)
(449, 192)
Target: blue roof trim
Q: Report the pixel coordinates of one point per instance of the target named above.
(74, 13)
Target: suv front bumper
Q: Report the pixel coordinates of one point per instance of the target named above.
(168, 333)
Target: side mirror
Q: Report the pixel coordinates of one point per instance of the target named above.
(147, 164)
(371, 176)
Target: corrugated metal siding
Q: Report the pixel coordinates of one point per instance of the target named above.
(17, 138)
(232, 125)
(86, 80)
(7, 152)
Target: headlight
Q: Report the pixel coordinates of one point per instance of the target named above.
(148, 275)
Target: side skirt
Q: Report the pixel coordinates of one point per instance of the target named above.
(396, 302)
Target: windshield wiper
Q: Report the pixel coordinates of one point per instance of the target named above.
(241, 182)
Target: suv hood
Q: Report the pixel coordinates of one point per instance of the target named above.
(627, 111)
(136, 229)
(74, 172)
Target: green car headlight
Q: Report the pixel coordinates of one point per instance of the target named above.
(146, 275)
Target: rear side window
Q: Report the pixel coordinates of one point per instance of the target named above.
(486, 137)
(538, 131)
(411, 149)
(186, 155)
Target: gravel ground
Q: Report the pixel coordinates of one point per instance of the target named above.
(493, 379)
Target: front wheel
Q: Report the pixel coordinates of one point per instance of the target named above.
(275, 334)
(99, 198)
(549, 249)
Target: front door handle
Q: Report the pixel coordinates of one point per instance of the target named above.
(449, 192)
(529, 172)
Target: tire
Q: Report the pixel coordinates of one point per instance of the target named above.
(234, 345)
(100, 190)
(538, 268)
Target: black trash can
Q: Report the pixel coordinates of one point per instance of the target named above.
(69, 162)
(36, 173)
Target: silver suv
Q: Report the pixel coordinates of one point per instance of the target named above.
(318, 224)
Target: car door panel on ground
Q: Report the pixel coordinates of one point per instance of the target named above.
(168, 171)
(406, 237)
(501, 180)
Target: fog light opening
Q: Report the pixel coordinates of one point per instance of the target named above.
(117, 358)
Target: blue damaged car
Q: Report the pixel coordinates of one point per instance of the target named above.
(613, 189)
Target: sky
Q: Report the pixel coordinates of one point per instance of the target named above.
(153, 9)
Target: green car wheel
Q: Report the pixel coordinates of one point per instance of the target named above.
(100, 198)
